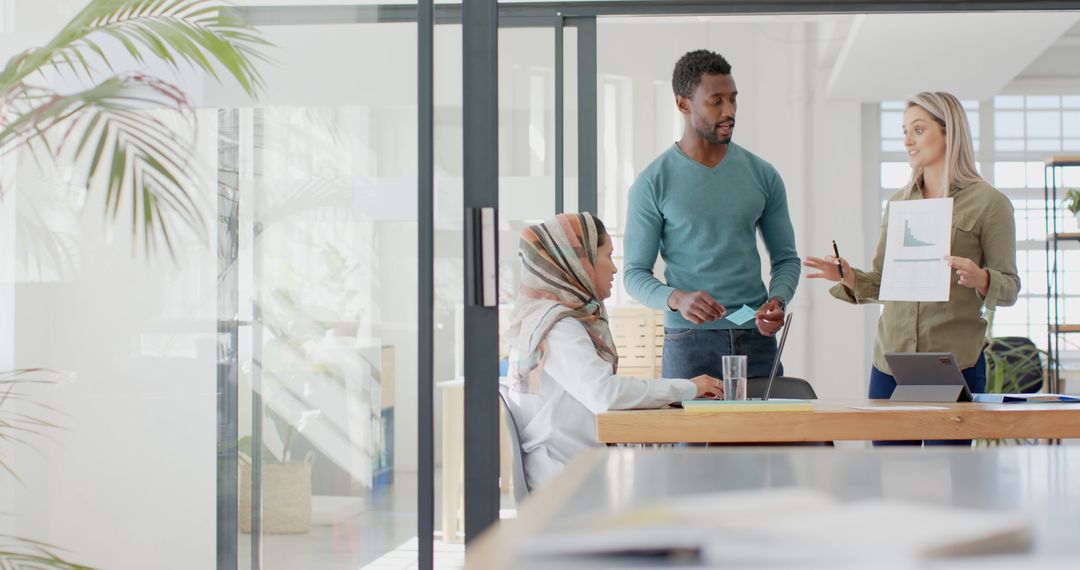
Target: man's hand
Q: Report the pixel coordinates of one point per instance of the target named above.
(770, 317)
(697, 307)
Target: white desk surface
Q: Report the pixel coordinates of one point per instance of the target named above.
(1042, 481)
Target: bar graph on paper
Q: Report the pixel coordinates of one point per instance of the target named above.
(910, 240)
(916, 243)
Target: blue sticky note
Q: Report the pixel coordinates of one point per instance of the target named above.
(742, 315)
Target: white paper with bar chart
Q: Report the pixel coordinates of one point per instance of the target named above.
(917, 242)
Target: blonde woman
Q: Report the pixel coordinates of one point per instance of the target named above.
(563, 360)
(983, 255)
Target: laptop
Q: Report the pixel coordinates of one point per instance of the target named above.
(927, 377)
(775, 365)
(776, 361)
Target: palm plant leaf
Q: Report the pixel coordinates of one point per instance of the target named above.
(198, 32)
(43, 244)
(23, 554)
(17, 553)
(133, 148)
(17, 427)
(1013, 369)
(1072, 200)
(106, 127)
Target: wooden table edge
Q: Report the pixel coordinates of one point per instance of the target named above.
(610, 431)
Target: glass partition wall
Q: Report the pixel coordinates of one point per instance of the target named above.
(327, 282)
(291, 325)
(275, 353)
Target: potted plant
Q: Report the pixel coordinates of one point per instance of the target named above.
(319, 388)
(287, 370)
(1072, 201)
(286, 484)
(1013, 366)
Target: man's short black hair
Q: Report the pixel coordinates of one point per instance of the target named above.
(688, 70)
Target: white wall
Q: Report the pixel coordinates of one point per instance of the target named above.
(130, 475)
(839, 344)
(7, 299)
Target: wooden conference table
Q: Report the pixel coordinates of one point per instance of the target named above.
(845, 420)
(1042, 482)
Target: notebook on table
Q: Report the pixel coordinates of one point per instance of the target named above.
(1024, 398)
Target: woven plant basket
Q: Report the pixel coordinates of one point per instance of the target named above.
(286, 492)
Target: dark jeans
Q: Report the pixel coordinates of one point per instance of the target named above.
(691, 352)
(882, 386)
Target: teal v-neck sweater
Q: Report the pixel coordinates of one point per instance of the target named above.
(704, 222)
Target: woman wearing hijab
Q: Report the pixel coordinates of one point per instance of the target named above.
(563, 360)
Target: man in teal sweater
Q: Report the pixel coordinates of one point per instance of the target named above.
(700, 205)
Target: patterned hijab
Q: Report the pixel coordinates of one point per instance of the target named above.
(558, 280)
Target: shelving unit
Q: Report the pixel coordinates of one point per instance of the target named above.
(1058, 323)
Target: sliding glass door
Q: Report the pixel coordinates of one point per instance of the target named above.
(324, 277)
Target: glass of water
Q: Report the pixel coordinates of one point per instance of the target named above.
(734, 377)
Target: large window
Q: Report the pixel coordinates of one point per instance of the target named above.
(1014, 135)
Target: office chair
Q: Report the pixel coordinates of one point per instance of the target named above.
(1021, 355)
(521, 488)
(783, 387)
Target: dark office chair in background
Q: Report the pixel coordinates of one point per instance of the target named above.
(783, 387)
(1020, 363)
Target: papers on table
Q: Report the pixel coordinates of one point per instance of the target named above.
(788, 526)
(899, 408)
(919, 238)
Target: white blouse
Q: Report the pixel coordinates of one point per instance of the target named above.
(576, 384)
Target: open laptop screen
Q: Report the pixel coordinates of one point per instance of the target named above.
(776, 361)
(775, 365)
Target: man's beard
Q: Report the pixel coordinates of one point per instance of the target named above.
(708, 132)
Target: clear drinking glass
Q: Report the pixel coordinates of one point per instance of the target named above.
(734, 377)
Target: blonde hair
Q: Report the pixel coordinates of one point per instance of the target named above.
(959, 152)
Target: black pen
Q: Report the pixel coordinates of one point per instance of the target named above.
(839, 266)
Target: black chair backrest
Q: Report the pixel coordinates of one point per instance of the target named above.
(783, 387)
(1016, 350)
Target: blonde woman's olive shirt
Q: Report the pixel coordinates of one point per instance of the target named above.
(983, 231)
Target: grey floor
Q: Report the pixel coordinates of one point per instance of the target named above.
(382, 537)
